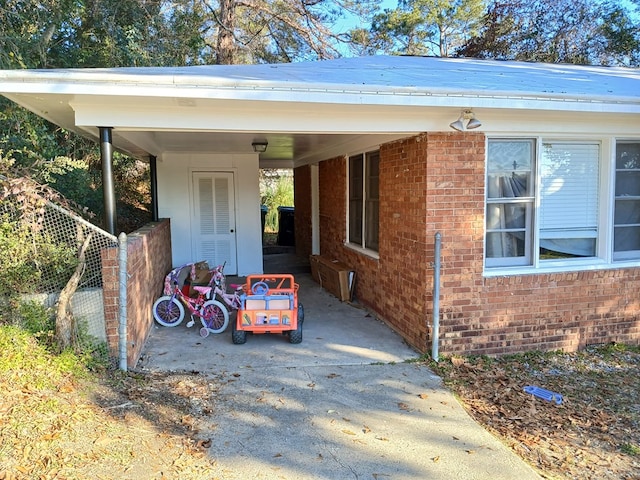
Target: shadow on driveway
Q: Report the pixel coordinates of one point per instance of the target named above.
(346, 403)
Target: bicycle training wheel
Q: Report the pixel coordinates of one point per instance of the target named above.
(215, 316)
(168, 311)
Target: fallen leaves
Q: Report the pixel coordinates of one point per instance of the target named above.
(582, 437)
(60, 433)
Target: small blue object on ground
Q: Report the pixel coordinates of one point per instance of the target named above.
(547, 395)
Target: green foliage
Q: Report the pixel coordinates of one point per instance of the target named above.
(630, 449)
(30, 259)
(73, 177)
(422, 27)
(558, 31)
(277, 191)
(33, 319)
(30, 28)
(25, 362)
(612, 349)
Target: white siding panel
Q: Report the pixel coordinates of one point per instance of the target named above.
(175, 201)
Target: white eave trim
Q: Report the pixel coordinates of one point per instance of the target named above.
(401, 96)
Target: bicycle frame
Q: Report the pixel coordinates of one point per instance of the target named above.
(218, 283)
(213, 314)
(193, 304)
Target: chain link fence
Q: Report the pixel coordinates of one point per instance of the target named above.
(61, 235)
(71, 231)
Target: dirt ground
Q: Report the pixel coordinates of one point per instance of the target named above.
(156, 426)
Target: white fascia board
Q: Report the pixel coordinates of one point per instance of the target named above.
(379, 96)
(295, 117)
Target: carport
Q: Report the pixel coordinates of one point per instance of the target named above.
(207, 130)
(334, 333)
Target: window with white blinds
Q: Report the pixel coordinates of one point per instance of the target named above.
(561, 204)
(569, 200)
(626, 221)
(543, 202)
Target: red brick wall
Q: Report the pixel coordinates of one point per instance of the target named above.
(395, 286)
(302, 213)
(560, 311)
(148, 261)
(435, 183)
(512, 313)
(332, 206)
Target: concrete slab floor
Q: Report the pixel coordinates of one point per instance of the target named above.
(346, 403)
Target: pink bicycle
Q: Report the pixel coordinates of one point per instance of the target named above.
(218, 283)
(169, 310)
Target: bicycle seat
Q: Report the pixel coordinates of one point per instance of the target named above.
(204, 290)
(236, 286)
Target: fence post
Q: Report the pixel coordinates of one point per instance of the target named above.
(435, 334)
(122, 300)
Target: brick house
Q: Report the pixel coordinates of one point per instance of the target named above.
(530, 173)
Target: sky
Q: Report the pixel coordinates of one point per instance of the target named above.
(350, 22)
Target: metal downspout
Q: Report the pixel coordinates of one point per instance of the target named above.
(153, 174)
(122, 300)
(108, 190)
(435, 334)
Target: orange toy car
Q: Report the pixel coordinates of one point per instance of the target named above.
(269, 304)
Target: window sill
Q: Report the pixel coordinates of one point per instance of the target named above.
(513, 271)
(363, 251)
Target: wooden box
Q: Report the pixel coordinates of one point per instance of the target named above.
(334, 276)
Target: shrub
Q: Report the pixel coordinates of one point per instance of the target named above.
(277, 191)
(30, 259)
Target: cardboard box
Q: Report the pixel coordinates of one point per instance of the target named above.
(202, 278)
(334, 276)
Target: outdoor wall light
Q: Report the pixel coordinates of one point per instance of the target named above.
(260, 146)
(470, 118)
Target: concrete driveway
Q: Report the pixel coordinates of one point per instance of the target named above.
(346, 403)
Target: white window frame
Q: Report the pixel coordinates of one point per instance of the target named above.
(604, 257)
(362, 246)
(622, 255)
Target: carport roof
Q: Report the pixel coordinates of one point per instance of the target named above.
(134, 99)
(399, 75)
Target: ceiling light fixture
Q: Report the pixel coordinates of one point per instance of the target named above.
(470, 118)
(260, 146)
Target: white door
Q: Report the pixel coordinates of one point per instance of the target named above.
(213, 225)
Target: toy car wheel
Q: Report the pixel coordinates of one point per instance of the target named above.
(295, 336)
(300, 313)
(238, 337)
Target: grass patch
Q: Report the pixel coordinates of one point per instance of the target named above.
(71, 415)
(630, 449)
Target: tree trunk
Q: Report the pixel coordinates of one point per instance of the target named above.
(225, 48)
(66, 326)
